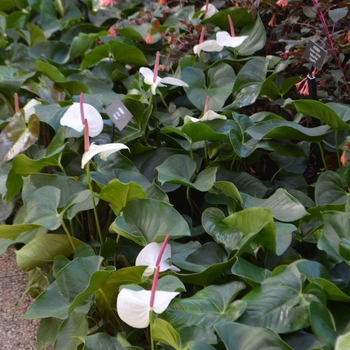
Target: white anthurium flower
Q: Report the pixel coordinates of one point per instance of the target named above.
(148, 257)
(29, 108)
(134, 306)
(149, 80)
(72, 119)
(222, 39)
(102, 150)
(210, 11)
(225, 39)
(210, 115)
(207, 46)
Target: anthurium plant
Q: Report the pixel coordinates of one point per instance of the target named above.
(218, 215)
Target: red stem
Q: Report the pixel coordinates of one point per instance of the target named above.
(206, 105)
(156, 67)
(206, 6)
(16, 103)
(86, 136)
(232, 28)
(154, 287)
(201, 38)
(81, 101)
(161, 252)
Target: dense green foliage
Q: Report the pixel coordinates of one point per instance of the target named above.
(246, 176)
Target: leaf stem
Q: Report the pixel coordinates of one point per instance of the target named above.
(68, 234)
(98, 227)
(322, 155)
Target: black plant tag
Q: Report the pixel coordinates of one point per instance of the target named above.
(315, 54)
(119, 114)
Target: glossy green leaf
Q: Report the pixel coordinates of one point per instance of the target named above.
(16, 137)
(242, 337)
(196, 132)
(240, 17)
(97, 279)
(278, 129)
(279, 302)
(73, 279)
(140, 222)
(50, 303)
(318, 274)
(118, 194)
(47, 332)
(248, 82)
(101, 340)
(344, 248)
(322, 323)
(13, 231)
(207, 307)
(165, 333)
(284, 207)
(75, 326)
(22, 165)
(217, 85)
(224, 234)
(94, 56)
(336, 227)
(126, 52)
(36, 34)
(256, 221)
(51, 71)
(43, 249)
(68, 186)
(180, 169)
(12, 78)
(205, 256)
(249, 272)
(201, 346)
(256, 40)
(106, 295)
(55, 51)
(321, 111)
(42, 208)
(330, 190)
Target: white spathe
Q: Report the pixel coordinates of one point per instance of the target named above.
(210, 115)
(207, 46)
(149, 255)
(225, 39)
(72, 119)
(29, 108)
(148, 79)
(133, 307)
(222, 39)
(102, 150)
(211, 10)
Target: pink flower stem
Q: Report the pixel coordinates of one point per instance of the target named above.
(156, 67)
(85, 123)
(81, 101)
(156, 274)
(161, 252)
(232, 28)
(206, 105)
(16, 103)
(154, 287)
(86, 136)
(206, 6)
(201, 38)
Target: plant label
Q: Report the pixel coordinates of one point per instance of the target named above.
(315, 54)
(119, 114)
